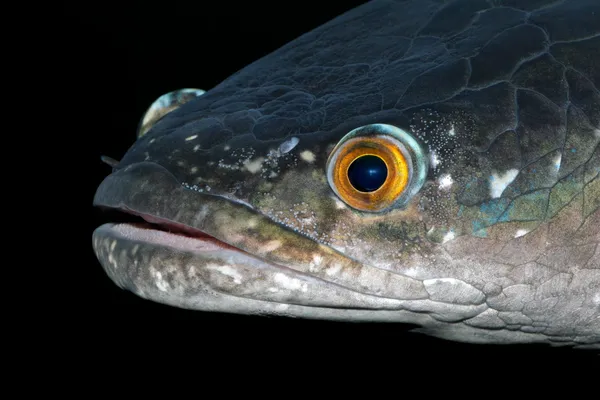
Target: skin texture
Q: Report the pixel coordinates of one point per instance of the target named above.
(499, 245)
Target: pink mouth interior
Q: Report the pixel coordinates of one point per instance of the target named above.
(168, 233)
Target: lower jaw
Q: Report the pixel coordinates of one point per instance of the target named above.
(199, 272)
(206, 281)
(137, 256)
(205, 274)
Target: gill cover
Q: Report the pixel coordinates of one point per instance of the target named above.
(377, 167)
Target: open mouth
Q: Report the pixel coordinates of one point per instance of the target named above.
(160, 231)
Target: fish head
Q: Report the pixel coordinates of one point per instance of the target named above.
(413, 187)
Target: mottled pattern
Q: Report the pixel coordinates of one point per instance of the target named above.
(501, 243)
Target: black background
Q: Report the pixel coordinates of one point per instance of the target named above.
(122, 58)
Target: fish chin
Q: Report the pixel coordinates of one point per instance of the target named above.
(195, 272)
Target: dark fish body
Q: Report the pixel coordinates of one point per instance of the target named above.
(495, 106)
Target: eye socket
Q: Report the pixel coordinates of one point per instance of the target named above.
(376, 167)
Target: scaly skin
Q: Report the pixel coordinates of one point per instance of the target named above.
(500, 245)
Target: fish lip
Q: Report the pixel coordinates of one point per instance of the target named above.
(174, 236)
(153, 223)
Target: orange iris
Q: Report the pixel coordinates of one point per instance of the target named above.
(393, 186)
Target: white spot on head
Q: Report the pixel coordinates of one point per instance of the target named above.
(333, 270)
(521, 232)
(270, 246)
(597, 132)
(160, 283)
(413, 272)
(192, 271)
(452, 132)
(317, 260)
(288, 145)
(255, 165)
(289, 283)
(499, 182)
(187, 139)
(252, 222)
(193, 170)
(445, 182)
(227, 271)
(339, 205)
(111, 254)
(226, 147)
(308, 156)
(557, 161)
(435, 161)
(197, 147)
(449, 236)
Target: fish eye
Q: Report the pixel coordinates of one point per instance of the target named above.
(376, 167)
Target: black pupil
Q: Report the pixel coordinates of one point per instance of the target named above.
(367, 173)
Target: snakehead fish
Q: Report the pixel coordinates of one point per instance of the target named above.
(428, 162)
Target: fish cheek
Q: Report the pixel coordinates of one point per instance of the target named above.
(394, 243)
(301, 200)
